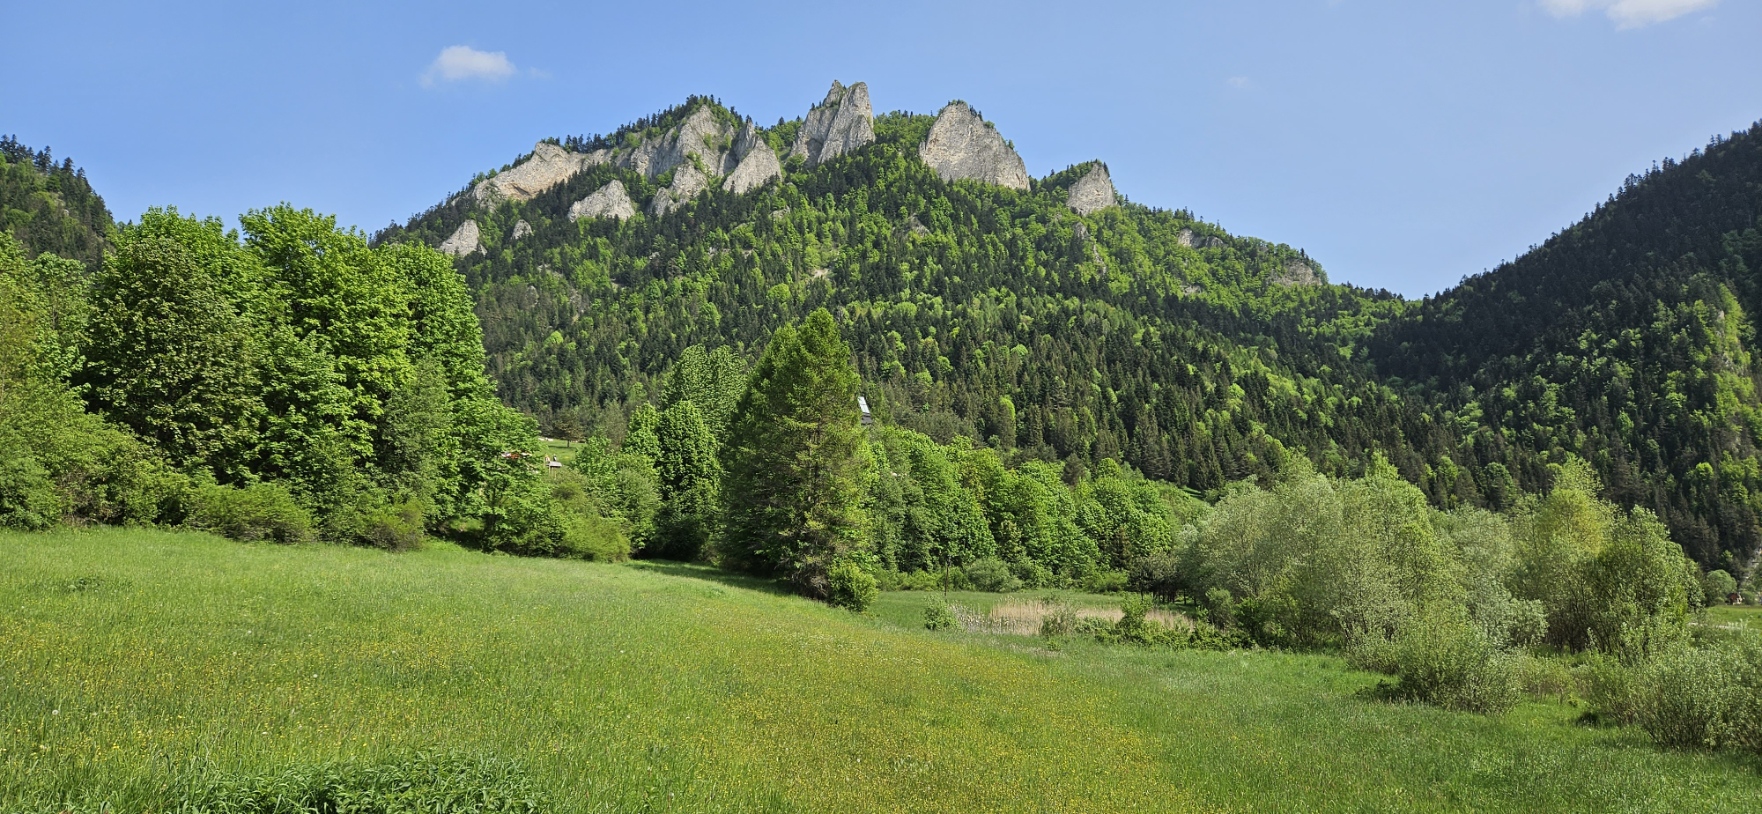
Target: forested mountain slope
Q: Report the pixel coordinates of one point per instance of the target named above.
(999, 314)
(1626, 339)
(1052, 319)
(50, 207)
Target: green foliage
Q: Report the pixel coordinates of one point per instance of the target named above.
(939, 617)
(1441, 657)
(991, 575)
(793, 458)
(1717, 585)
(1699, 698)
(50, 207)
(848, 586)
(259, 511)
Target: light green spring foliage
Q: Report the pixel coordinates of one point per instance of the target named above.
(295, 352)
(133, 657)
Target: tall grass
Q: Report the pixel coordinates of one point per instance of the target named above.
(131, 661)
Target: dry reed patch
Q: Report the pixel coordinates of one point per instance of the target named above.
(1023, 617)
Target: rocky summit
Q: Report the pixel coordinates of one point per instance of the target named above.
(1093, 192)
(841, 124)
(962, 145)
(609, 201)
(758, 166)
(548, 166)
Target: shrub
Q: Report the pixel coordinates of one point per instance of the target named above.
(1105, 582)
(1060, 621)
(1033, 574)
(849, 586)
(939, 617)
(1443, 659)
(592, 537)
(1612, 689)
(28, 498)
(390, 526)
(1157, 574)
(993, 575)
(1688, 698)
(1546, 677)
(260, 511)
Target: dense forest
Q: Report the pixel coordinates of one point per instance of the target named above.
(1151, 337)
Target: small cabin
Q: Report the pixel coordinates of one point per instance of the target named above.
(863, 407)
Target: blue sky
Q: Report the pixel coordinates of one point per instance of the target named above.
(1403, 144)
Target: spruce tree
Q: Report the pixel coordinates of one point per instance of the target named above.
(794, 458)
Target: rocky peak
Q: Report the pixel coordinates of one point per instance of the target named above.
(1298, 272)
(841, 124)
(464, 242)
(548, 166)
(1093, 192)
(963, 145)
(701, 134)
(609, 201)
(758, 163)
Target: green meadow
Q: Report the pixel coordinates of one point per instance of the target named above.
(133, 660)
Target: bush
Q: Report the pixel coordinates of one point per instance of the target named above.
(390, 526)
(1105, 582)
(592, 537)
(28, 497)
(849, 586)
(1612, 689)
(1156, 574)
(939, 617)
(1443, 659)
(1033, 574)
(1134, 628)
(1059, 621)
(260, 511)
(1688, 698)
(993, 575)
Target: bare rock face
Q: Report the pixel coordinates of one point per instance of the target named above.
(688, 181)
(609, 201)
(701, 134)
(963, 145)
(1185, 238)
(548, 166)
(841, 124)
(1093, 192)
(521, 229)
(464, 242)
(755, 170)
(1298, 272)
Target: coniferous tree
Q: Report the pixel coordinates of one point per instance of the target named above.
(794, 459)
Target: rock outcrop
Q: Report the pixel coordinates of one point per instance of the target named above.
(841, 124)
(1298, 272)
(700, 134)
(521, 229)
(688, 181)
(1093, 192)
(548, 166)
(963, 145)
(464, 242)
(755, 170)
(609, 201)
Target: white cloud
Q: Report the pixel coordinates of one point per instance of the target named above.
(461, 62)
(1628, 13)
(1239, 82)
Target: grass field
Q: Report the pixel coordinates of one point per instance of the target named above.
(130, 657)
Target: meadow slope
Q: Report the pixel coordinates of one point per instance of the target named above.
(129, 658)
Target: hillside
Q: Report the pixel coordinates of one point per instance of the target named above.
(50, 207)
(1626, 339)
(1051, 319)
(1054, 320)
(146, 667)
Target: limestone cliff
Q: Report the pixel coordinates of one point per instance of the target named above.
(609, 201)
(464, 242)
(548, 166)
(841, 124)
(963, 145)
(521, 229)
(1093, 192)
(688, 181)
(1298, 272)
(701, 134)
(757, 168)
